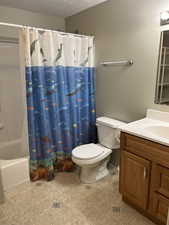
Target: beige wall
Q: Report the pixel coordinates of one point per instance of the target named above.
(1, 191)
(124, 30)
(23, 17)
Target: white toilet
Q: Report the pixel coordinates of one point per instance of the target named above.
(93, 158)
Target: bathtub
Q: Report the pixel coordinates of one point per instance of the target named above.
(14, 164)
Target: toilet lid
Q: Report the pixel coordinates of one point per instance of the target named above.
(88, 151)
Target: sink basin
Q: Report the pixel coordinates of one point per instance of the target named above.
(161, 131)
(154, 127)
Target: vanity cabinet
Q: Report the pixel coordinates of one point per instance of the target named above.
(144, 176)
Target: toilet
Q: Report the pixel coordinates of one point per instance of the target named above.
(93, 158)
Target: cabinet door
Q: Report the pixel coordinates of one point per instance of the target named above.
(159, 192)
(135, 176)
(160, 206)
(160, 180)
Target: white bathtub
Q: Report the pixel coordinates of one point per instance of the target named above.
(14, 164)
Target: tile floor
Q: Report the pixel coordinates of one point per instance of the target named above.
(65, 201)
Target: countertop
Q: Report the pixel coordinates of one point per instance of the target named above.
(153, 118)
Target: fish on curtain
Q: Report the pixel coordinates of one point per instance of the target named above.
(60, 83)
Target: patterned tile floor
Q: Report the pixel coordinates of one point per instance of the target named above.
(65, 201)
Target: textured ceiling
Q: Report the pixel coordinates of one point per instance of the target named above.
(52, 7)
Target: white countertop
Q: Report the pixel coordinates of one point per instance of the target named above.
(153, 118)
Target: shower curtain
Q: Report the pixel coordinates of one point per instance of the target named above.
(60, 95)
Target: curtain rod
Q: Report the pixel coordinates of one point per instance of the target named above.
(41, 29)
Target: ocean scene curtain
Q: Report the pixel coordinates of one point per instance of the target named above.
(60, 95)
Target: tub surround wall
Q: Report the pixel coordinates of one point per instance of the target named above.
(11, 112)
(13, 117)
(124, 30)
(13, 133)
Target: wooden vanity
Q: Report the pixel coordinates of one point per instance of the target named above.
(144, 176)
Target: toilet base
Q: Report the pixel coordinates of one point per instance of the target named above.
(93, 173)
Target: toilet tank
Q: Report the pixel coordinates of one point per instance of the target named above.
(109, 132)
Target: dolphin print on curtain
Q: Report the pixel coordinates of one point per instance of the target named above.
(60, 95)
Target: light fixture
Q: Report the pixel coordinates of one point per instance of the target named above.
(165, 15)
(164, 18)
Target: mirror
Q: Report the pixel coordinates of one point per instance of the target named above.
(162, 82)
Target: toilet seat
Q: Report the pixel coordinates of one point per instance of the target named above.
(90, 159)
(88, 151)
